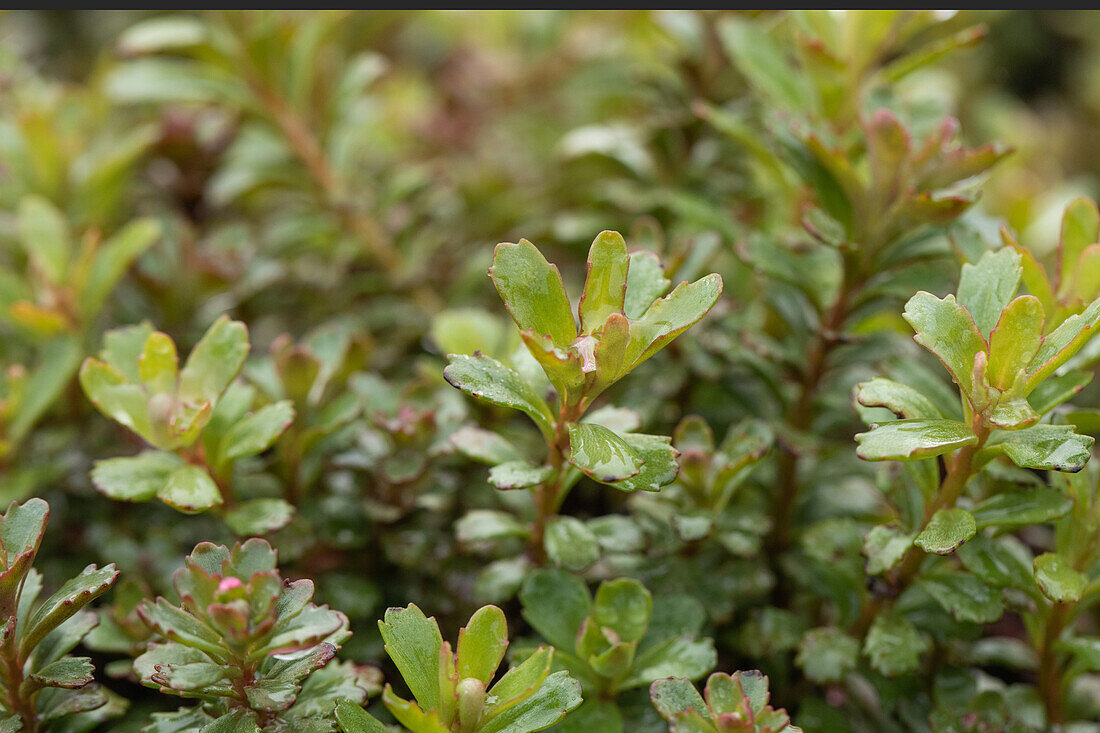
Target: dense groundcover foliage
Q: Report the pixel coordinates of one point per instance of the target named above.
(774, 413)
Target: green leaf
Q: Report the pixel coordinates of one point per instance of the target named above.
(901, 399)
(557, 695)
(964, 596)
(411, 715)
(1021, 508)
(179, 626)
(413, 642)
(1055, 390)
(190, 489)
(946, 531)
(122, 348)
(162, 34)
(660, 467)
(827, 654)
(670, 316)
(1002, 562)
(623, 605)
(68, 672)
(570, 543)
(947, 330)
(533, 292)
(1062, 343)
(481, 644)
(1057, 578)
(765, 66)
(518, 475)
(44, 234)
(111, 262)
(645, 282)
(555, 603)
(62, 605)
(519, 682)
(1080, 228)
(602, 454)
(116, 398)
(987, 287)
(674, 696)
(885, 546)
(680, 656)
(488, 525)
(258, 431)
(1015, 341)
(605, 286)
(158, 364)
(1049, 447)
(136, 478)
(58, 362)
(258, 517)
(214, 362)
(894, 645)
(488, 379)
(354, 719)
(909, 440)
(484, 446)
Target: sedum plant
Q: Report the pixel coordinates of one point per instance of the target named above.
(198, 422)
(1007, 358)
(41, 684)
(736, 703)
(454, 690)
(618, 641)
(621, 320)
(248, 645)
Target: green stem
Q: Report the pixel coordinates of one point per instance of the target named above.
(21, 706)
(549, 494)
(800, 415)
(959, 471)
(1050, 673)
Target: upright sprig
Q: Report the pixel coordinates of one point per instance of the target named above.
(736, 703)
(453, 688)
(248, 645)
(622, 320)
(618, 641)
(1007, 358)
(198, 421)
(885, 176)
(40, 684)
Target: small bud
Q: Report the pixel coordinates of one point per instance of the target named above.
(471, 701)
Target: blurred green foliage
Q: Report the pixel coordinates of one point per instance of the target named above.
(306, 203)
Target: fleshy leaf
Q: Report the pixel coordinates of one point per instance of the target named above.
(901, 399)
(908, 440)
(533, 292)
(485, 377)
(987, 287)
(135, 478)
(190, 489)
(215, 361)
(894, 645)
(481, 644)
(1015, 340)
(570, 543)
(670, 316)
(602, 454)
(413, 642)
(947, 330)
(1057, 578)
(946, 531)
(1049, 447)
(1062, 343)
(605, 286)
